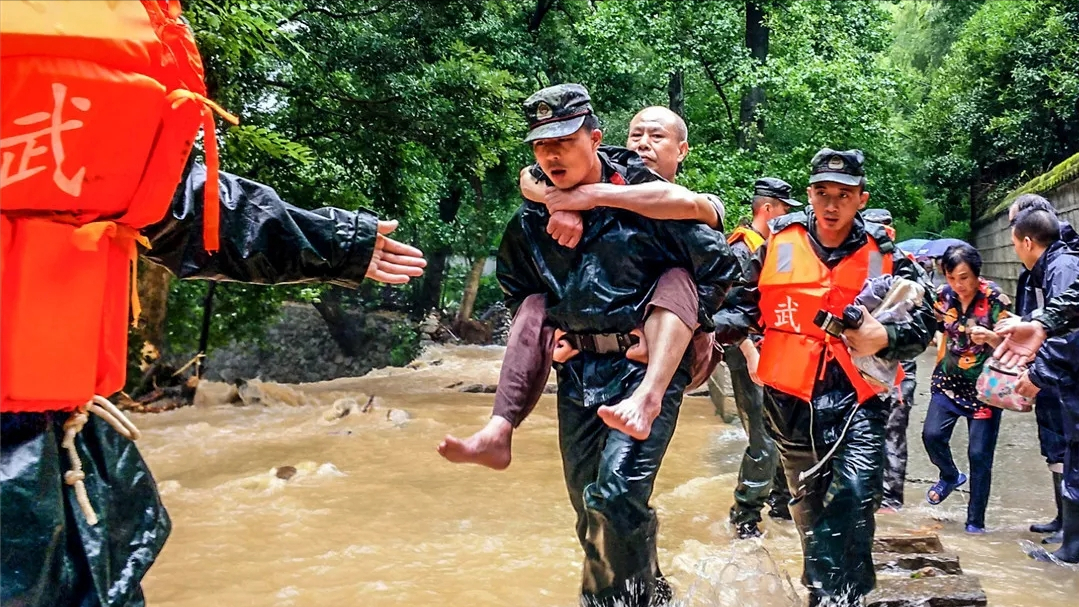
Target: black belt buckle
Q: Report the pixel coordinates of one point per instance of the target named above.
(606, 343)
(601, 343)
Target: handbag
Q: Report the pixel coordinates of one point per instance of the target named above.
(996, 387)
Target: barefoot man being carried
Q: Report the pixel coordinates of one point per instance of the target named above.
(659, 137)
(597, 293)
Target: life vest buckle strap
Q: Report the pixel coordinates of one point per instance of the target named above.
(211, 211)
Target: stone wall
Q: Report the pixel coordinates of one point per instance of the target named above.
(298, 347)
(992, 236)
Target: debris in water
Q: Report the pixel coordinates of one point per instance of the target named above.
(479, 389)
(343, 407)
(398, 417)
(285, 472)
(369, 406)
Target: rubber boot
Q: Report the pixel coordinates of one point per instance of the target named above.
(1054, 525)
(1069, 550)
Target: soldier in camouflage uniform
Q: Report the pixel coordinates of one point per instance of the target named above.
(895, 431)
(760, 478)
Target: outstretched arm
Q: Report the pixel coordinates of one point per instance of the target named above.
(266, 240)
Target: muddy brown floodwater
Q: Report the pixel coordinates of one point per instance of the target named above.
(373, 516)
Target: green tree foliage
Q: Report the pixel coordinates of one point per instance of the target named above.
(411, 107)
(1003, 106)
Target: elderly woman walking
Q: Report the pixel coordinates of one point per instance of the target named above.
(967, 308)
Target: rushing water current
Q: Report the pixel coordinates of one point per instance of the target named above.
(372, 515)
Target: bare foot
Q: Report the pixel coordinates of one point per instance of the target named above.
(489, 447)
(635, 415)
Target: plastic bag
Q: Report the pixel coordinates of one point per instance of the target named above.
(889, 299)
(996, 387)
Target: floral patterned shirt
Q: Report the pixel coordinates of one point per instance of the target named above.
(958, 369)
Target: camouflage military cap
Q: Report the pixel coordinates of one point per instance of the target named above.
(839, 167)
(556, 111)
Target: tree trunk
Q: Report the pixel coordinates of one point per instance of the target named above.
(752, 121)
(343, 330)
(429, 295)
(542, 8)
(472, 287)
(676, 93)
(153, 288)
(207, 317)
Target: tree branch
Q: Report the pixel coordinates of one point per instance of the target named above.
(719, 89)
(333, 15)
(542, 8)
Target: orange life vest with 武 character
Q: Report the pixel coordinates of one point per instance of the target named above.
(101, 104)
(747, 235)
(794, 285)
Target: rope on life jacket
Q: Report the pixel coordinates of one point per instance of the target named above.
(75, 477)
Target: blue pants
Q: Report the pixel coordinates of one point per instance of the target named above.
(1050, 415)
(937, 435)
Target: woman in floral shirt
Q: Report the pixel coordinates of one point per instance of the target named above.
(967, 308)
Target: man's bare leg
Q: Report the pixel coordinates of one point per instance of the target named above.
(666, 335)
(525, 368)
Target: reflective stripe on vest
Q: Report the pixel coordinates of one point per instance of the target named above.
(795, 285)
(747, 235)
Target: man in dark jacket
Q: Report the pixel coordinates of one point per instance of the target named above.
(760, 477)
(51, 556)
(597, 293)
(1023, 339)
(1052, 268)
(828, 423)
(1049, 268)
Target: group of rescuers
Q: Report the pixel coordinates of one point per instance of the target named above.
(620, 279)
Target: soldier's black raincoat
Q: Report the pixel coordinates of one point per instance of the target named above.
(603, 286)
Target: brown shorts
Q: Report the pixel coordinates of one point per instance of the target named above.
(527, 362)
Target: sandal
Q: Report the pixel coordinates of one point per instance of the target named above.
(943, 489)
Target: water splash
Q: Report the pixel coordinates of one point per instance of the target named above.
(744, 576)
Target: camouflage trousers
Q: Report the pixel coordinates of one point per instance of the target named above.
(895, 437)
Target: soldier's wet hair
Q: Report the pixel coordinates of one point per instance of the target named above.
(1029, 201)
(960, 254)
(1038, 224)
(591, 123)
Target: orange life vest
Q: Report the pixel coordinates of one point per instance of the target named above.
(750, 236)
(101, 103)
(794, 285)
